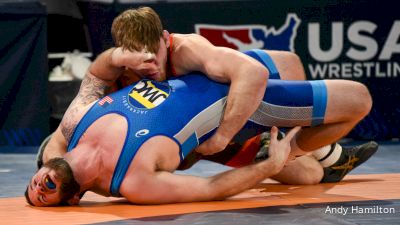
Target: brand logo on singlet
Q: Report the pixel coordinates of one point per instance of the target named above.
(141, 133)
(147, 94)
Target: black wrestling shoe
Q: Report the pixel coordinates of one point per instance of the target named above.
(350, 158)
(265, 139)
(39, 155)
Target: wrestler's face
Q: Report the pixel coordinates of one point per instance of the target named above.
(53, 183)
(155, 68)
(44, 188)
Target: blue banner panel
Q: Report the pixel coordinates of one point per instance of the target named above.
(24, 108)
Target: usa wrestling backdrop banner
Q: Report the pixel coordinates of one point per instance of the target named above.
(335, 40)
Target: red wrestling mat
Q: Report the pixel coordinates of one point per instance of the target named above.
(94, 208)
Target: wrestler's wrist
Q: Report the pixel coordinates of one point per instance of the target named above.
(276, 164)
(273, 167)
(117, 58)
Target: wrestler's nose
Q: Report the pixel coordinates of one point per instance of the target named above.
(150, 60)
(39, 188)
(151, 65)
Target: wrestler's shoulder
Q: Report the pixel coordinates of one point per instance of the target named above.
(188, 40)
(185, 36)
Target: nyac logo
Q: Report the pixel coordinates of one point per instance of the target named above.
(148, 94)
(246, 37)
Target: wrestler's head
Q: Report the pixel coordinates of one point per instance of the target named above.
(141, 30)
(53, 184)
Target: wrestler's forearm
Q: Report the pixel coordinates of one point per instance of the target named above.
(56, 147)
(244, 97)
(51, 153)
(238, 180)
(107, 66)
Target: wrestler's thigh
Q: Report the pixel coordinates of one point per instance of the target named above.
(303, 170)
(288, 64)
(346, 100)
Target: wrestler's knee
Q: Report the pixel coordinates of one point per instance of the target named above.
(348, 101)
(312, 172)
(304, 170)
(363, 99)
(315, 178)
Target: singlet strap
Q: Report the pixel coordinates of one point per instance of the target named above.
(266, 60)
(171, 65)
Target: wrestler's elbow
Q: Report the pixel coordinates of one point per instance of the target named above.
(258, 78)
(263, 75)
(216, 194)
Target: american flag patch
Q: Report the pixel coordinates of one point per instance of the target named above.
(106, 100)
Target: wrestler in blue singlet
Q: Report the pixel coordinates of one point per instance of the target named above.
(188, 109)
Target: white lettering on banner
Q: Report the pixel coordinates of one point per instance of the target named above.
(314, 42)
(354, 70)
(364, 48)
(392, 44)
(355, 36)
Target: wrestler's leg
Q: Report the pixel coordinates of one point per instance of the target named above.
(303, 170)
(350, 97)
(348, 102)
(288, 65)
(336, 107)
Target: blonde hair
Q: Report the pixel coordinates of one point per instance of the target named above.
(136, 29)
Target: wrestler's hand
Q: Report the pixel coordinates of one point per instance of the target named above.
(279, 150)
(131, 59)
(213, 145)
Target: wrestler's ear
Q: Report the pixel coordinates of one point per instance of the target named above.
(74, 200)
(166, 38)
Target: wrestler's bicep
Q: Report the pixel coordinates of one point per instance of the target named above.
(165, 187)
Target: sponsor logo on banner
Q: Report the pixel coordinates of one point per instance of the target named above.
(146, 94)
(353, 50)
(246, 37)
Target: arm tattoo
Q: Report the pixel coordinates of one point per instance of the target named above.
(92, 89)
